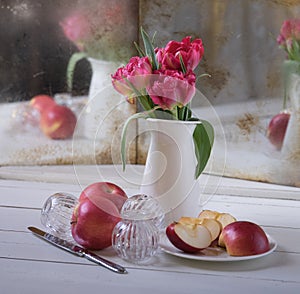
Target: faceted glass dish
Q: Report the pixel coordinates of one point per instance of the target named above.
(136, 237)
(56, 214)
(143, 207)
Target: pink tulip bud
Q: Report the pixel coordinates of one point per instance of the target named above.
(190, 52)
(133, 76)
(170, 88)
(289, 37)
(76, 28)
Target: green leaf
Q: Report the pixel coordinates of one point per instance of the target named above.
(203, 141)
(204, 75)
(71, 67)
(139, 49)
(149, 49)
(183, 68)
(144, 100)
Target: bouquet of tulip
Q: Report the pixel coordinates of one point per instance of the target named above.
(289, 38)
(162, 82)
(289, 41)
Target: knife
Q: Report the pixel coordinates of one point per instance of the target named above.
(77, 250)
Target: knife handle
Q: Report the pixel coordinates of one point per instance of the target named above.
(104, 262)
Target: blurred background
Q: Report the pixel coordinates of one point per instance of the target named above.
(241, 53)
(34, 50)
(242, 59)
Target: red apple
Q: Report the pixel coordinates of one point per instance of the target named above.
(243, 238)
(96, 215)
(41, 102)
(93, 222)
(277, 128)
(189, 238)
(58, 122)
(108, 190)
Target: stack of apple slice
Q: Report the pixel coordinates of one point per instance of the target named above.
(192, 234)
(212, 228)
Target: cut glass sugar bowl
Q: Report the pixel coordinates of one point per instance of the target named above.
(136, 237)
(56, 214)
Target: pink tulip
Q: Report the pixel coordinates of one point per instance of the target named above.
(134, 75)
(290, 29)
(170, 88)
(289, 34)
(190, 52)
(76, 28)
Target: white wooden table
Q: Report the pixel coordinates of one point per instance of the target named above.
(30, 265)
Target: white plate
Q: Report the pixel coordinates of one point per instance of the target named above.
(211, 253)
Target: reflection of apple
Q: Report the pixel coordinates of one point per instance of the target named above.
(242, 238)
(41, 102)
(96, 215)
(58, 122)
(277, 128)
(188, 237)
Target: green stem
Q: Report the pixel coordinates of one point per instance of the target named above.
(284, 97)
(77, 56)
(176, 112)
(186, 112)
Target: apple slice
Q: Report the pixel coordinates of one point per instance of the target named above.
(213, 226)
(186, 220)
(225, 219)
(221, 242)
(206, 213)
(189, 238)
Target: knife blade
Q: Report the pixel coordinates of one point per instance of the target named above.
(78, 250)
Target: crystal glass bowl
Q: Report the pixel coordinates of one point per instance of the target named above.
(56, 214)
(136, 237)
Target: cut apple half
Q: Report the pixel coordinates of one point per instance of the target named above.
(189, 237)
(244, 238)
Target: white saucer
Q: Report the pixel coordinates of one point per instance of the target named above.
(212, 253)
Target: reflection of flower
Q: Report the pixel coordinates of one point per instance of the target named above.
(163, 83)
(289, 38)
(99, 31)
(76, 28)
